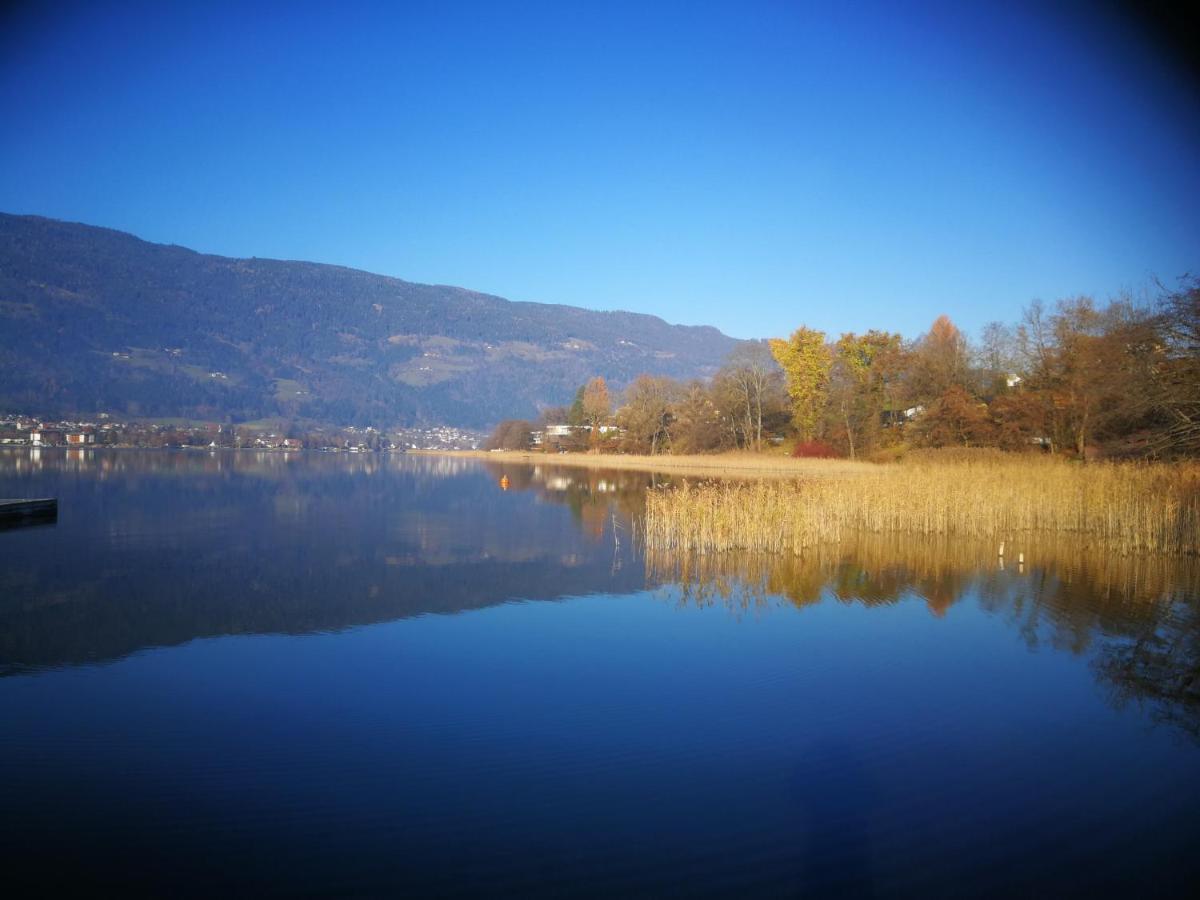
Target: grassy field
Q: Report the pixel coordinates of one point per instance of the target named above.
(1114, 507)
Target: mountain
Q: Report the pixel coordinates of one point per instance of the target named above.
(97, 320)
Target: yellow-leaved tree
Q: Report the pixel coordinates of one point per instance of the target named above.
(806, 361)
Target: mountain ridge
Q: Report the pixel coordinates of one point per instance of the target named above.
(96, 319)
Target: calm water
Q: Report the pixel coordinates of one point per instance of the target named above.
(370, 675)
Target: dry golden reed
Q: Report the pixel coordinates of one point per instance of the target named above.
(1121, 507)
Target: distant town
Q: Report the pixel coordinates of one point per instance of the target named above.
(17, 430)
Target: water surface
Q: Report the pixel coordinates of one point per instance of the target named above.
(307, 673)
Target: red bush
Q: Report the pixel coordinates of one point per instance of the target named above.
(813, 450)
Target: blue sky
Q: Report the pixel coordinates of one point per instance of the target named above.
(754, 166)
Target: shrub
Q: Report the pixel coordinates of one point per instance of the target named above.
(813, 450)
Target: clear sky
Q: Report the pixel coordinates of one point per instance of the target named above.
(754, 166)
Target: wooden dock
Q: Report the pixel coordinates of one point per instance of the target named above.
(17, 511)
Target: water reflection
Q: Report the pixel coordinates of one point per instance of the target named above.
(159, 548)
(898, 717)
(1158, 668)
(1136, 616)
(592, 495)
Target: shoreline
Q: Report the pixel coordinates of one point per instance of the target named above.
(726, 465)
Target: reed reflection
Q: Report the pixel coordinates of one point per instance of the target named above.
(156, 548)
(1136, 616)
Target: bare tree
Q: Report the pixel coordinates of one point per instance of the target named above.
(751, 377)
(1175, 371)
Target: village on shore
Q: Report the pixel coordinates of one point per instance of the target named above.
(21, 430)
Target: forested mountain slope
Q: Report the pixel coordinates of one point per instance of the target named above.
(97, 320)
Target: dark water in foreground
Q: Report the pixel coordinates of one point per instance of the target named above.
(254, 673)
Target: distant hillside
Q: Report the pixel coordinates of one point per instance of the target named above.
(97, 320)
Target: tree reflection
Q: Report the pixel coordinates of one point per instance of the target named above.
(158, 548)
(1159, 669)
(1136, 615)
(592, 495)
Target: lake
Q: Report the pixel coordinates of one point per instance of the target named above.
(385, 674)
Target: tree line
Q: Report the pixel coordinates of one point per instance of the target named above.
(1118, 379)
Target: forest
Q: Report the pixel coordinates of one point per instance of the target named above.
(1081, 379)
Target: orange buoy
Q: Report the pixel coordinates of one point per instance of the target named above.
(504, 482)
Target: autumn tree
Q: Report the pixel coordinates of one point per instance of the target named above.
(697, 425)
(647, 413)
(806, 361)
(595, 406)
(1080, 376)
(955, 419)
(1120, 378)
(1018, 419)
(864, 377)
(1090, 368)
(939, 359)
(595, 401)
(1129, 350)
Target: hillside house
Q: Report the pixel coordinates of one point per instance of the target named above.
(553, 434)
(889, 417)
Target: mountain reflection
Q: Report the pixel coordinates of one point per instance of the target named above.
(160, 548)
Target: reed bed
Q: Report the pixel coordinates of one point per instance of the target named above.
(1115, 507)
